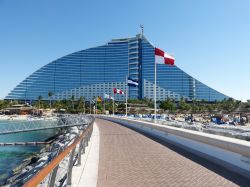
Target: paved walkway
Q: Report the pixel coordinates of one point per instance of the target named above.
(128, 158)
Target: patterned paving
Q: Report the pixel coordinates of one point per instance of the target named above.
(128, 158)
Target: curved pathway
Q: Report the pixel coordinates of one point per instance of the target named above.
(128, 158)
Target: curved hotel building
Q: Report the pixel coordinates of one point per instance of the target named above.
(95, 71)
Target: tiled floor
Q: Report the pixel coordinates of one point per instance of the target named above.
(128, 158)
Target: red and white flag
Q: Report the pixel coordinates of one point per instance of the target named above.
(118, 91)
(162, 57)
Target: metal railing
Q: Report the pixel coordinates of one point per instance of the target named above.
(58, 171)
(42, 124)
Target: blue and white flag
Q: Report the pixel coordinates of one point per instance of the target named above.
(132, 82)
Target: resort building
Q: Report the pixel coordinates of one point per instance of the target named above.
(95, 71)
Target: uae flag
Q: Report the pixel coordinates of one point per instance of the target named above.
(162, 57)
(118, 91)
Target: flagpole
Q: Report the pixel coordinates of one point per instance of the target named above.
(95, 105)
(155, 95)
(114, 105)
(126, 96)
(104, 105)
(94, 108)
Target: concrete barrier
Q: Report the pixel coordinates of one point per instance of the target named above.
(231, 153)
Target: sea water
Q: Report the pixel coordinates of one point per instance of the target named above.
(12, 156)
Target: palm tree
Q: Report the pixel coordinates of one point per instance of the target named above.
(58, 105)
(72, 100)
(84, 109)
(183, 105)
(80, 104)
(50, 94)
(39, 102)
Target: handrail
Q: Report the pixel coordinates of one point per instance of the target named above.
(44, 172)
(38, 129)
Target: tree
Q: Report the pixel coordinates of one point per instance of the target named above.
(183, 106)
(58, 105)
(195, 108)
(145, 101)
(39, 101)
(210, 108)
(109, 106)
(66, 104)
(50, 94)
(167, 105)
(5, 103)
(81, 105)
(72, 101)
(229, 105)
(84, 105)
(99, 106)
(121, 107)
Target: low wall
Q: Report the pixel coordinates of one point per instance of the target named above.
(231, 153)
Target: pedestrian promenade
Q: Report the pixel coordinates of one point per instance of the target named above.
(128, 158)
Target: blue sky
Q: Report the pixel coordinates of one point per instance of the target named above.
(210, 39)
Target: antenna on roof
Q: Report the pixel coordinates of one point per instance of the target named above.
(142, 27)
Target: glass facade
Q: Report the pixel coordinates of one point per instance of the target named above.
(95, 71)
